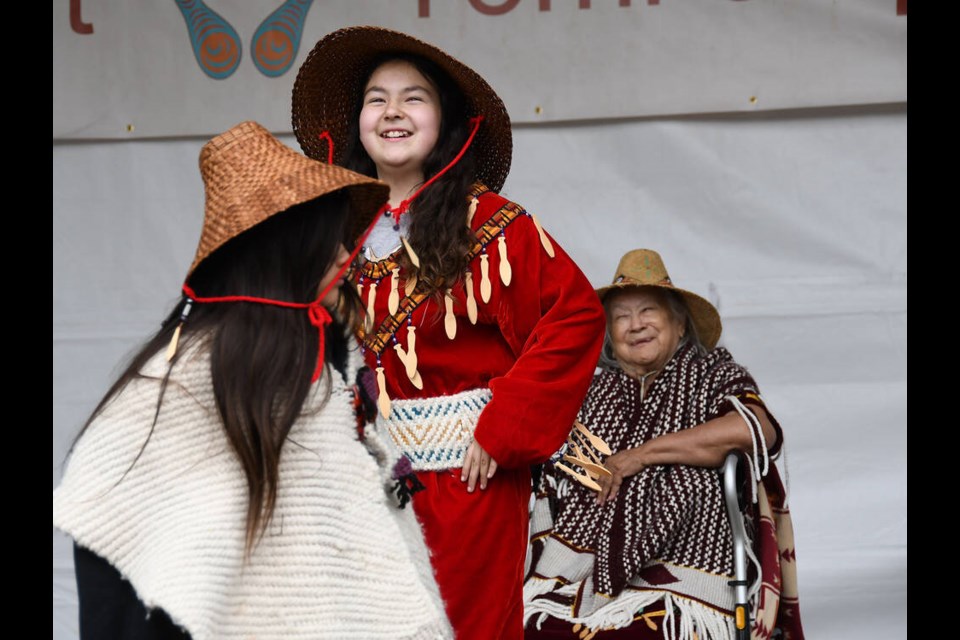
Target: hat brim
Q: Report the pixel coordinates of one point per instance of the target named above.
(328, 87)
(250, 176)
(706, 318)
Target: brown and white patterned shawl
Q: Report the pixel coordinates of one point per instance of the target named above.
(671, 513)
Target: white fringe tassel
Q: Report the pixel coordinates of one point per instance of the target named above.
(758, 440)
(696, 621)
(784, 467)
(693, 620)
(759, 449)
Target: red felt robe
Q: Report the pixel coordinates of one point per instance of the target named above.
(535, 346)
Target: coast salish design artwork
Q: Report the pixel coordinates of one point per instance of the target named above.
(215, 43)
(276, 41)
(218, 49)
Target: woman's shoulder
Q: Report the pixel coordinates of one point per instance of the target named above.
(191, 356)
(721, 358)
(490, 202)
(492, 214)
(717, 355)
(185, 379)
(721, 372)
(486, 195)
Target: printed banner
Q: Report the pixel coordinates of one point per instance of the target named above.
(149, 68)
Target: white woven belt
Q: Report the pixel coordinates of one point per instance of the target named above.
(434, 433)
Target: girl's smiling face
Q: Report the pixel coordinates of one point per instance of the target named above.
(399, 120)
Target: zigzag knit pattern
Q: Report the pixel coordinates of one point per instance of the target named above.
(337, 561)
(666, 537)
(434, 433)
(674, 513)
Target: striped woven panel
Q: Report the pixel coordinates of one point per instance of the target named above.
(434, 433)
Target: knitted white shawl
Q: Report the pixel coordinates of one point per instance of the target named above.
(338, 560)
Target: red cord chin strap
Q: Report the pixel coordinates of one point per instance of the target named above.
(318, 314)
(405, 204)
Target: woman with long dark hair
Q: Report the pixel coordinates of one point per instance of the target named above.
(220, 488)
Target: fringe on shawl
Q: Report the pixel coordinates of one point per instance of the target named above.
(757, 473)
(757, 462)
(685, 619)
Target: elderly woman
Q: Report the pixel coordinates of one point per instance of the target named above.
(641, 546)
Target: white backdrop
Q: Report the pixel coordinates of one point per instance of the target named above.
(137, 73)
(794, 223)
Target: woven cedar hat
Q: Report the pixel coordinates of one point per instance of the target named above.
(250, 176)
(644, 268)
(328, 88)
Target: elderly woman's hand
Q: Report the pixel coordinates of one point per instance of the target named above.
(622, 464)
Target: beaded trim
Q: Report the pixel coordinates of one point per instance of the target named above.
(493, 226)
(377, 340)
(381, 268)
(434, 433)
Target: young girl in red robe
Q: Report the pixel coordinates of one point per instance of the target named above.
(482, 332)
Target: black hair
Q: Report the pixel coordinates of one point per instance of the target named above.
(262, 357)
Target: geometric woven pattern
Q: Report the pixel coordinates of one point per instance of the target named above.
(674, 513)
(434, 433)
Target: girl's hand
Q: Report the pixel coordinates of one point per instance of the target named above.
(622, 464)
(477, 463)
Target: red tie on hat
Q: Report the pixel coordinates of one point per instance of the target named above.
(318, 314)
